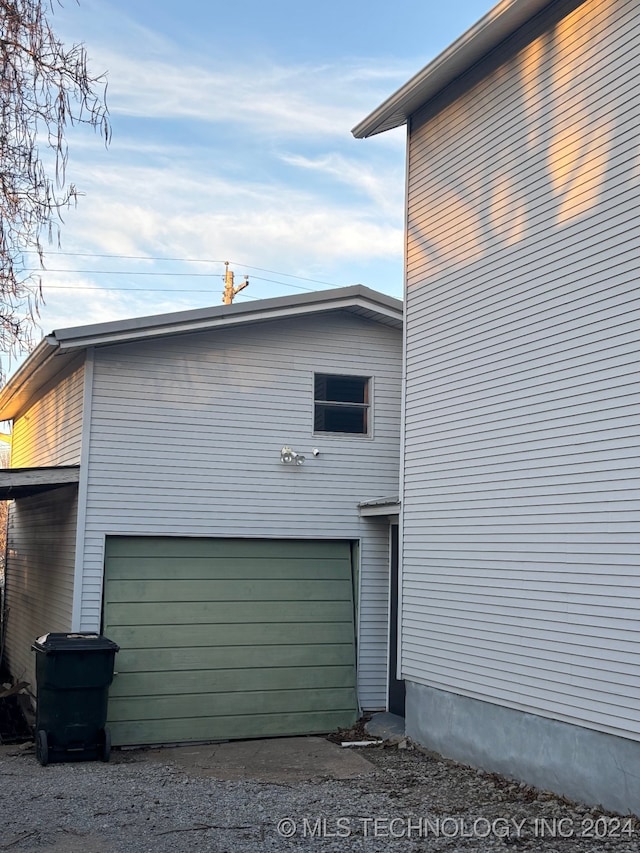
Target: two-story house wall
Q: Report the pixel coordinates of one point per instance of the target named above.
(521, 510)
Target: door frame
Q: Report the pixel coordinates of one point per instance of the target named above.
(395, 686)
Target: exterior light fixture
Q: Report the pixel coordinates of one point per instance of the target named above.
(288, 456)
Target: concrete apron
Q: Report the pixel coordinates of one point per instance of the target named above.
(291, 759)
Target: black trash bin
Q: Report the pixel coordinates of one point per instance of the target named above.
(73, 674)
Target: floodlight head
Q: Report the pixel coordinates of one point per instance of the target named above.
(289, 456)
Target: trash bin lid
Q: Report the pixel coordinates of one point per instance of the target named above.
(74, 642)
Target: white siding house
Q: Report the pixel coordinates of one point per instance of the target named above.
(178, 424)
(521, 509)
(39, 590)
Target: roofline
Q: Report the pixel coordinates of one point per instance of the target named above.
(64, 346)
(492, 29)
(17, 383)
(160, 325)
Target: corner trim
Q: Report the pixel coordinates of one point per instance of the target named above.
(83, 486)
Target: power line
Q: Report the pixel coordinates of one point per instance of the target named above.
(288, 275)
(127, 289)
(130, 257)
(161, 274)
(286, 283)
(184, 260)
(155, 290)
(128, 272)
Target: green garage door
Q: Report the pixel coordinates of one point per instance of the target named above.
(229, 638)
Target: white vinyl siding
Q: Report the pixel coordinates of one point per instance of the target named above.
(186, 438)
(521, 505)
(39, 577)
(50, 431)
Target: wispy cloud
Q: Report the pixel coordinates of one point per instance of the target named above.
(152, 76)
(191, 214)
(272, 99)
(381, 185)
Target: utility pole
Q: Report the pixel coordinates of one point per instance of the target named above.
(229, 290)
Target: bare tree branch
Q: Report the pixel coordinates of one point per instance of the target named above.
(44, 89)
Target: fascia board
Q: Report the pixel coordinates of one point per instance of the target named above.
(182, 327)
(492, 29)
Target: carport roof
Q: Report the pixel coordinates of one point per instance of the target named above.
(23, 482)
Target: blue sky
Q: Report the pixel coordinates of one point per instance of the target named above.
(231, 141)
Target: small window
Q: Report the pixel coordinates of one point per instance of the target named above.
(341, 404)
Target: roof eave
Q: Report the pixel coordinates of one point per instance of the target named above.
(19, 385)
(141, 328)
(497, 25)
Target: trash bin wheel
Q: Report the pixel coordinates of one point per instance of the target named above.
(105, 745)
(42, 748)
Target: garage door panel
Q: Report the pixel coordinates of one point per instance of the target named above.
(239, 657)
(161, 546)
(188, 591)
(227, 680)
(229, 728)
(229, 638)
(225, 568)
(223, 704)
(251, 634)
(130, 614)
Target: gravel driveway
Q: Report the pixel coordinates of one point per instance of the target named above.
(400, 800)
